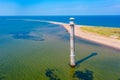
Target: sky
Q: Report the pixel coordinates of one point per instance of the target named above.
(59, 7)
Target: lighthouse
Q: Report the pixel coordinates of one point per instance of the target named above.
(72, 43)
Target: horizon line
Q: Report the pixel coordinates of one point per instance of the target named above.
(60, 15)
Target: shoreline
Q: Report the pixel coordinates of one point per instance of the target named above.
(106, 41)
(109, 42)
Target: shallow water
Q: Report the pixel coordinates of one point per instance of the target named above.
(40, 51)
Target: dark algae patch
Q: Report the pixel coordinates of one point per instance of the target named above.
(28, 36)
(83, 75)
(50, 73)
(2, 77)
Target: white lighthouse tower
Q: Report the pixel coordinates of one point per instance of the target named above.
(72, 43)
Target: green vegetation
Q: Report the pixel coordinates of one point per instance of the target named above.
(108, 32)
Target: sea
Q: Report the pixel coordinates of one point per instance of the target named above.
(35, 50)
(101, 20)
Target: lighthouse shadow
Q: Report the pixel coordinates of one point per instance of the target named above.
(86, 58)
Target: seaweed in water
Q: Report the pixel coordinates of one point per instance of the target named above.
(2, 77)
(86, 75)
(27, 36)
(51, 74)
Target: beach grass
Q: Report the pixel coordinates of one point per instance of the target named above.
(108, 32)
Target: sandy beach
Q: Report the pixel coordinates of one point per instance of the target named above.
(110, 42)
(107, 41)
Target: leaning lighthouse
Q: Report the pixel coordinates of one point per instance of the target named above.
(72, 43)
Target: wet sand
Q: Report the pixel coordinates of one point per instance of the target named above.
(110, 42)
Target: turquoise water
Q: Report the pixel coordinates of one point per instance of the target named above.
(93, 20)
(40, 51)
